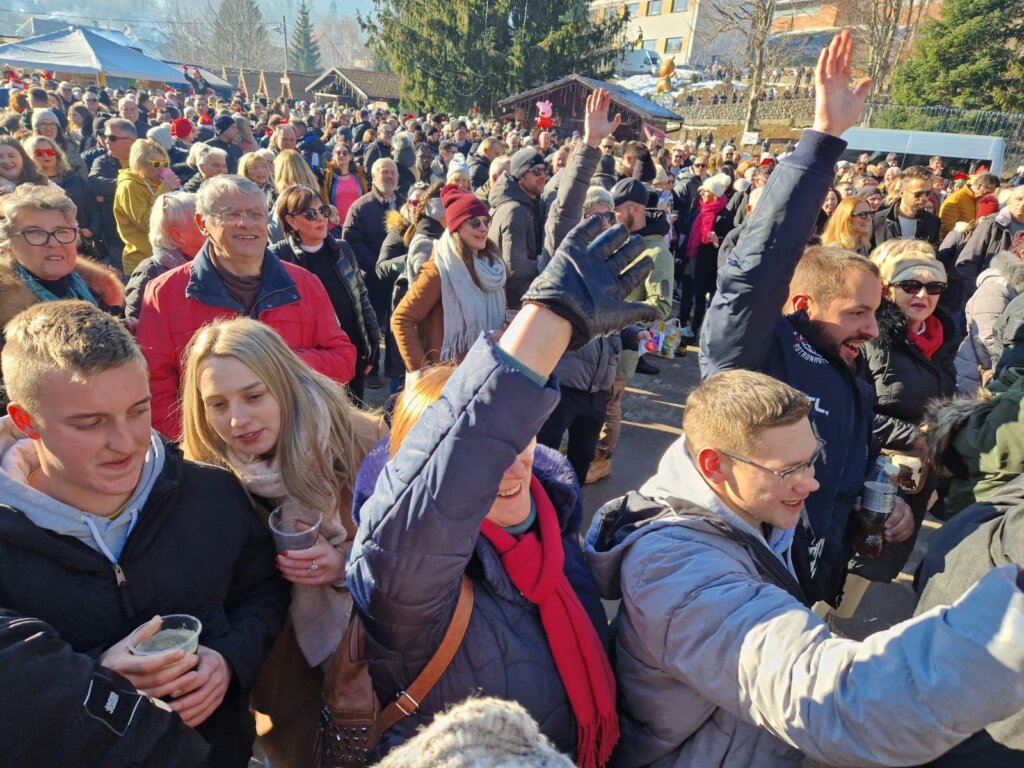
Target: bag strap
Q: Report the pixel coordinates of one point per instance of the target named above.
(408, 701)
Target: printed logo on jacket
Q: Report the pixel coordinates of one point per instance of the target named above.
(804, 349)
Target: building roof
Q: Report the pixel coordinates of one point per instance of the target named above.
(634, 102)
(369, 84)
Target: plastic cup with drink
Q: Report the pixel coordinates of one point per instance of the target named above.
(294, 533)
(175, 632)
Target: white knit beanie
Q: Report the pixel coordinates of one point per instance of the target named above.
(479, 733)
(717, 184)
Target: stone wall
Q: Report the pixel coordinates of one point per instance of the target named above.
(796, 113)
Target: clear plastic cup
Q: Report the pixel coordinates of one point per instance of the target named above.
(177, 632)
(293, 533)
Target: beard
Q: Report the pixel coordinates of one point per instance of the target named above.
(828, 346)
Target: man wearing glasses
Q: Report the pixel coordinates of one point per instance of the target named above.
(719, 659)
(119, 135)
(517, 220)
(907, 217)
(234, 274)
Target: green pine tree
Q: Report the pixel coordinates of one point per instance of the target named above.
(970, 58)
(303, 50)
(453, 55)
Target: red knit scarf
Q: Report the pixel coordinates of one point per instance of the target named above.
(534, 566)
(930, 339)
(703, 225)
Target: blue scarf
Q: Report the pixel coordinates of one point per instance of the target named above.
(77, 289)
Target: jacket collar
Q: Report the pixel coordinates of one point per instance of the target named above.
(206, 286)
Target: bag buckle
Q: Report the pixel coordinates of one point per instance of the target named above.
(404, 695)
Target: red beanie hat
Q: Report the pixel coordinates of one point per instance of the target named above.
(460, 206)
(181, 127)
(987, 204)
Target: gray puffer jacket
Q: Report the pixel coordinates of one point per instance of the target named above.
(719, 663)
(517, 227)
(997, 286)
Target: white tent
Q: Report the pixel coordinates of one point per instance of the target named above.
(81, 51)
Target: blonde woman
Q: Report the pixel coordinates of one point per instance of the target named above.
(290, 170)
(295, 441)
(849, 226)
(256, 168)
(245, 138)
(147, 176)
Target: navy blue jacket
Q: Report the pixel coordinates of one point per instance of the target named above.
(419, 531)
(745, 329)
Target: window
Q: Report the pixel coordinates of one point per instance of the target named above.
(673, 45)
(650, 45)
(678, 6)
(632, 10)
(653, 7)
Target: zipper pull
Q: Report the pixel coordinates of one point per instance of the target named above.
(119, 575)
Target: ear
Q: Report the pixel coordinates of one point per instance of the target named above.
(201, 224)
(709, 462)
(800, 303)
(22, 420)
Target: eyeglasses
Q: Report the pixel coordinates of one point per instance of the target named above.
(160, 163)
(311, 214)
(235, 217)
(699, 165)
(863, 215)
(538, 170)
(46, 153)
(913, 287)
(46, 124)
(608, 217)
(784, 475)
(111, 138)
(479, 222)
(35, 236)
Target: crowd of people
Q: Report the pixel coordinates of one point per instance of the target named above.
(195, 295)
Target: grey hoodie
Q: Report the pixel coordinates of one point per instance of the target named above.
(719, 663)
(18, 459)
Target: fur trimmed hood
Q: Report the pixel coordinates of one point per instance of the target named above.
(1007, 266)
(15, 296)
(943, 421)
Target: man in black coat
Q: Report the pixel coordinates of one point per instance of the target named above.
(380, 149)
(480, 161)
(105, 526)
(365, 229)
(907, 217)
(225, 137)
(119, 135)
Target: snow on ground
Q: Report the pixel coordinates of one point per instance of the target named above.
(645, 85)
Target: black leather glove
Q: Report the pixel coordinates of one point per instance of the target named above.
(586, 285)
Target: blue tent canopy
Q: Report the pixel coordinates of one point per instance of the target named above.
(80, 50)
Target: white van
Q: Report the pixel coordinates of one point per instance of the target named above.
(638, 61)
(960, 151)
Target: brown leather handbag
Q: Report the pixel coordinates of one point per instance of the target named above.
(351, 722)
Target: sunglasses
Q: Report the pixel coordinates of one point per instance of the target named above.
(913, 287)
(160, 163)
(608, 217)
(46, 153)
(311, 214)
(539, 170)
(698, 165)
(113, 138)
(864, 215)
(479, 222)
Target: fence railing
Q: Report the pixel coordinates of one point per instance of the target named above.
(1008, 125)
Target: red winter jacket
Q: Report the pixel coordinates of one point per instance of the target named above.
(178, 303)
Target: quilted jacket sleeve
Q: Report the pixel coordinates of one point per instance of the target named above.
(418, 530)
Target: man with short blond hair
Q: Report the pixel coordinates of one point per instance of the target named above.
(104, 525)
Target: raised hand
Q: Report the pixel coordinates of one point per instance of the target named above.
(836, 106)
(596, 124)
(587, 282)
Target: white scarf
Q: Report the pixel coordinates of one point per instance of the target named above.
(468, 309)
(319, 613)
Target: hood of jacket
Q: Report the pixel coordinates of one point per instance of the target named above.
(395, 221)
(506, 190)
(14, 294)
(657, 225)
(676, 495)
(1009, 268)
(18, 459)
